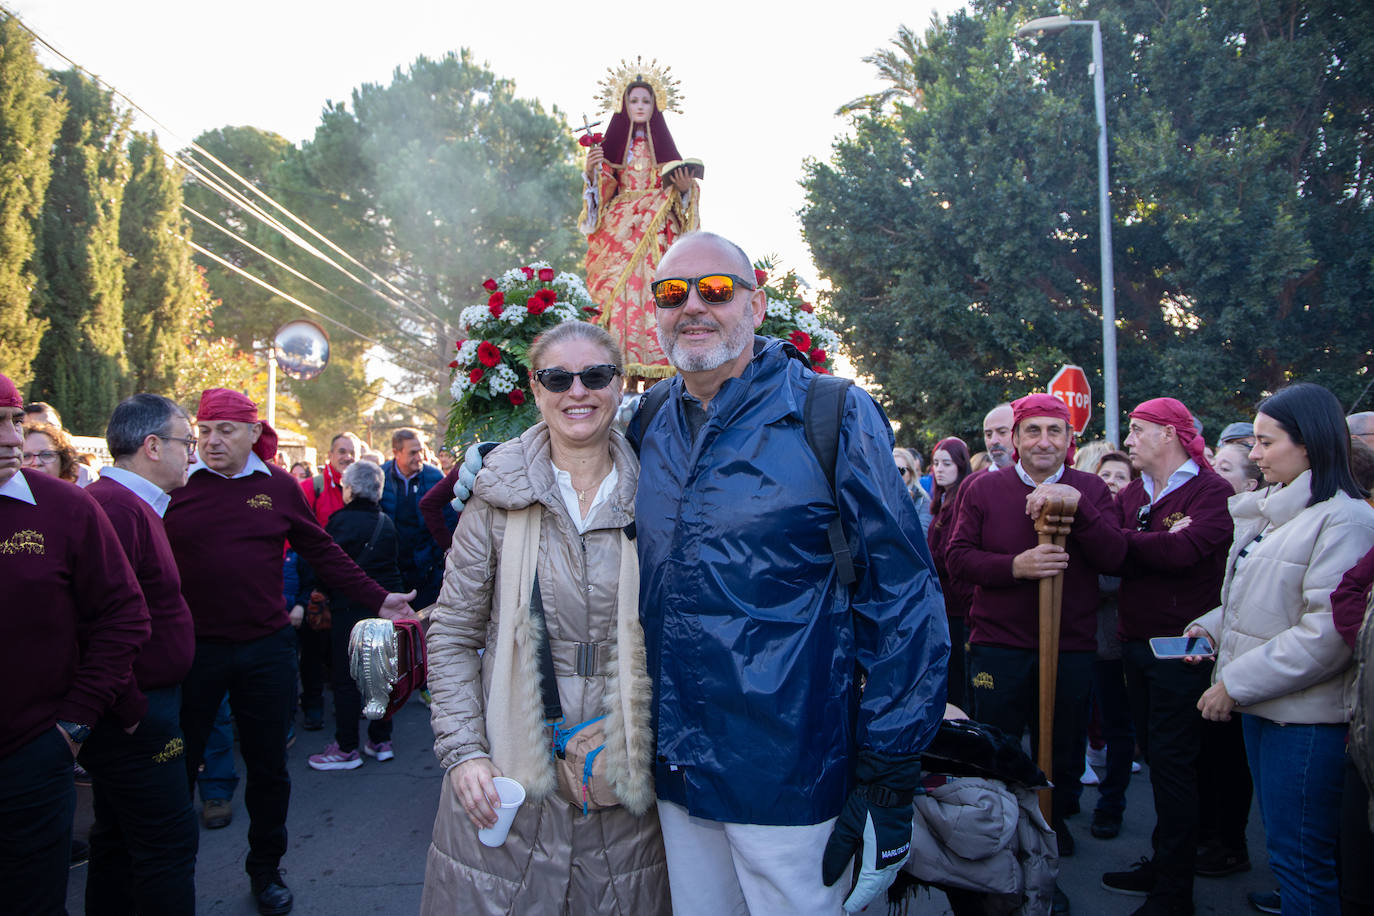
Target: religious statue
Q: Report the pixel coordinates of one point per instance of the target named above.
(639, 196)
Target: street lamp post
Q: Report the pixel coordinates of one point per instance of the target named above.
(1051, 25)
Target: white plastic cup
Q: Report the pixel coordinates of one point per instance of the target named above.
(512, 797)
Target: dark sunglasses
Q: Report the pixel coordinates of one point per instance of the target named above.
(716, 289)
(594, 378)
(1142, 517)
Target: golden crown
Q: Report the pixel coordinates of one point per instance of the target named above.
(617, 81)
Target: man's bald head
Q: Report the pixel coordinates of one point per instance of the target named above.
(1361, 426)
(997, 434)
(743, 266)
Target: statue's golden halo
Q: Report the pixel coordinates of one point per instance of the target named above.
(664, 86)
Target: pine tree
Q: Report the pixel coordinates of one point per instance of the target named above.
(81, 367)
(159, 278)
(29, 118)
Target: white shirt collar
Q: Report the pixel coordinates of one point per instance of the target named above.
(1186, 472)
(1026, 478)
(140, 486)
(569, 494)
(254, 465)
(18, 488)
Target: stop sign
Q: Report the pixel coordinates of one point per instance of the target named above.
(1070, 385)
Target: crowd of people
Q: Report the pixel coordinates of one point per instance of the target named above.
(720, 651)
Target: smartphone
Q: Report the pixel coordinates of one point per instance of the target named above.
(1181, 646)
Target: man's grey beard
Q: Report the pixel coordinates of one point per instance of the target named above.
(740, 336)
(1001, 457)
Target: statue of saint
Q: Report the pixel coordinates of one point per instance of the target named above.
(639, 196)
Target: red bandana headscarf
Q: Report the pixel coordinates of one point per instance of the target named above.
(1042, 405)
(223, 404)
(1172, 412)
(9, 395)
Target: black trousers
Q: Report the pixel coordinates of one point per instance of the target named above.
(1225, 789)
(1110, 685)
(37, 803)
(348, 700)
(261, 679)
(144, 840)
(1355, 849)
(1005, 686)
(314, 650)
(958, 665)
(1168, 727)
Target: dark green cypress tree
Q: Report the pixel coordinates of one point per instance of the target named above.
(29, 118)
(81, 367)
(159, 278)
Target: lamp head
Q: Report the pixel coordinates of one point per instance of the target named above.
(1045, 25)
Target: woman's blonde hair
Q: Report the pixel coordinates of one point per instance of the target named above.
(575, 330)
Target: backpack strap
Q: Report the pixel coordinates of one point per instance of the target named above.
(548, 681)
(822, 417)
(650, 403)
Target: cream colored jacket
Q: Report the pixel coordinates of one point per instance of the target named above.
(1279, 654)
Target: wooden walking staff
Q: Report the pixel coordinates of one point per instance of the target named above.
(1053, 525)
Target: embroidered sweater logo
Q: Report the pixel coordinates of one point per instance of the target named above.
(174, 749)
(261, 501)
(983, 679)
(26, 541)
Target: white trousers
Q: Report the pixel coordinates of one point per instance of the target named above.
(717, 869)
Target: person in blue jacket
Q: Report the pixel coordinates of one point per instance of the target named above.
(407, 478)
(790, 711)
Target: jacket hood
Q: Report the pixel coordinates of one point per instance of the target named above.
(519, 473)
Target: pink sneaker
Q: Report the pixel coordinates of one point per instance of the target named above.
(334, 759)
(381, 750)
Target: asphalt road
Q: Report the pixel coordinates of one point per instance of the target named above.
(358, 841)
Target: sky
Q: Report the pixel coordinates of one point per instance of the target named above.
(760, 81)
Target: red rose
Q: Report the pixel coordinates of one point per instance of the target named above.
(517, 397)
(536, 305)
(760, 276)
(496, 304)
(822, 370)
(529, 272)
(453, 365)
(817, 356)
(475, 376)
(549, 296)
(489, 284)
(806, 307)
(546, 275)
(459, 344)
(592, 310)
(487, 353)
(800, 339)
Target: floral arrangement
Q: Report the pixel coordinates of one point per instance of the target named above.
(792, 318)
(491, 370)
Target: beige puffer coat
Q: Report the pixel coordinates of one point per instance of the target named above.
(556, 859)
(1278, 651)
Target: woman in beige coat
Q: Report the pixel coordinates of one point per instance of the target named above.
(556, 501)
(1280, 661)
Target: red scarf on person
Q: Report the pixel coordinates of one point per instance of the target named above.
(9, 395)
(1042, 405)
(235, 406)
(1172, 412)
(330, 499)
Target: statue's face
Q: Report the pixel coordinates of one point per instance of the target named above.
(639, 104)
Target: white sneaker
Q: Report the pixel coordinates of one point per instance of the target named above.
(1089, 778)
(1097, 756)
(331, 758)
(1135, 767)
(381, 750)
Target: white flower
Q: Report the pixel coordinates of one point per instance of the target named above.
(502, 379)
(777, 308)
(460, 386)
(514, 314)
(538, 266)
(830, 341)
(808, 323)
(565, 311)
(467, 352)
(513, 277)
(472, 316)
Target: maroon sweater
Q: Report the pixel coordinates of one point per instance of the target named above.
(64, 574)
(992, 528)
(1351, 597)
(958, 593)
(166, 657)
(228, 537)
(1169, 580)
(432, 507)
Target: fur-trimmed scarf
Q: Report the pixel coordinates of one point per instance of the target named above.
(518, 738)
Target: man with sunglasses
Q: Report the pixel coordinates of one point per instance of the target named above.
(144, 841)
(1169, 579)
(773, 769)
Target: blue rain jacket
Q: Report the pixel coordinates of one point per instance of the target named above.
(754, 648)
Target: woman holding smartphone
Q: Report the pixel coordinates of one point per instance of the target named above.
(1280, 661)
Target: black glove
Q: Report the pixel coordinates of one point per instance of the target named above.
(875, 824)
